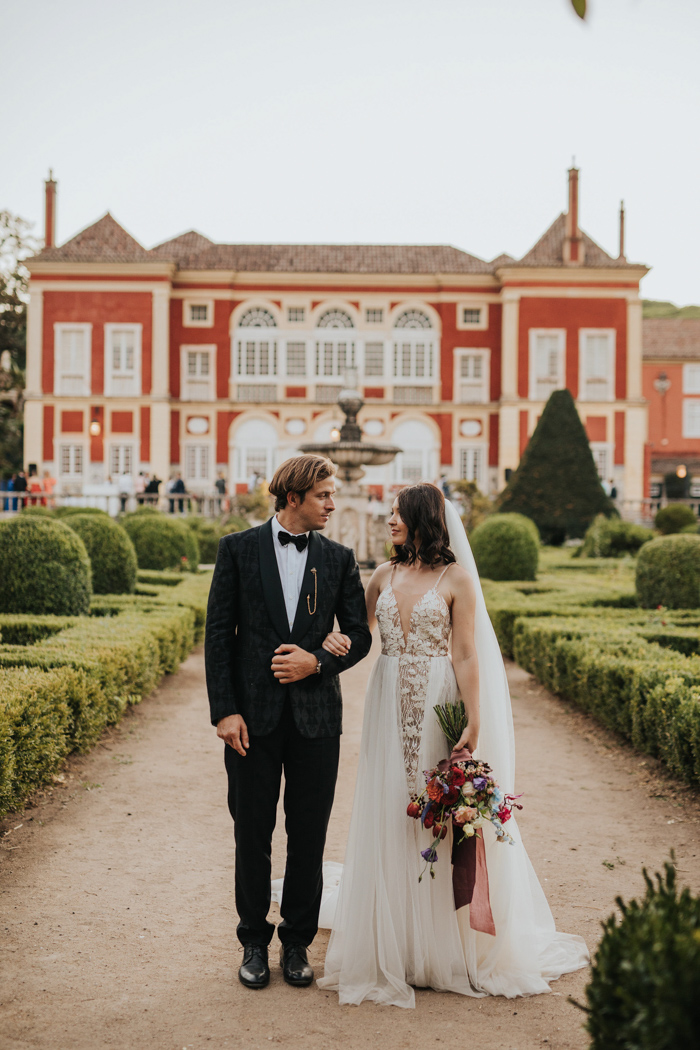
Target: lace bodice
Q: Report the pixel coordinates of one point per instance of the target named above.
(427, 638)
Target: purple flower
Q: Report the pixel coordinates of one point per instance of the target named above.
(429, 855)
(480, 783)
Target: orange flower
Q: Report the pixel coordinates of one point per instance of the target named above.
(435, 790)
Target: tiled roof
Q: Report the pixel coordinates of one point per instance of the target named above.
(549, 250)
(671, 338)
(104, 241)
(187, 244)
(328, 258)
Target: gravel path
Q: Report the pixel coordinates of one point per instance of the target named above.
(116, 893)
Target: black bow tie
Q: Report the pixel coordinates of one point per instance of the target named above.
(300, 542)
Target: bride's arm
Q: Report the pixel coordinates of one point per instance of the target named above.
(464, 656)
(339, 644)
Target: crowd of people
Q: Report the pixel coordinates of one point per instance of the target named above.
(25, 489)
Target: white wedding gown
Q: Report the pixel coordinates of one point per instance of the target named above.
(390, 932)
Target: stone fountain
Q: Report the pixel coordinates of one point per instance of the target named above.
(358, 522)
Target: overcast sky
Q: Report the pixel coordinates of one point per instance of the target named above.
(399, 121)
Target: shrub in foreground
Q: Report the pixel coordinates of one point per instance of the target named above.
(208, 534)
(162, 542)
(69, 511)
(674, 517)
(44, 568)
(110, 550)
(506, 547)
(643, 993)
(668, 573)
(612, 537)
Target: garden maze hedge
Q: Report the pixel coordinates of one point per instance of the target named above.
(64, 678)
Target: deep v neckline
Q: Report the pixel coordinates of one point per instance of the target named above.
(390, 587)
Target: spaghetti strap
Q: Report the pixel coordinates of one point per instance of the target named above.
(437, 584)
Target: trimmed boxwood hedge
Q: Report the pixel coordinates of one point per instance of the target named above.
(674, 517)
(44, 568)
(506, 547)
(69, 510)
(208, 533)
(62, 680)
(668, 572)
(612, 538)
(162, 542)
(110, 550)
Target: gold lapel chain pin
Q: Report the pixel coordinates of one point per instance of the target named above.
(308, 596)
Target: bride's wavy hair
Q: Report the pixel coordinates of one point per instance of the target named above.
(422, 510)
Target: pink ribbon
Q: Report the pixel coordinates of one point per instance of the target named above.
(470, 877)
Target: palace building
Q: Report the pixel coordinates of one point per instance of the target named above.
(203, 358)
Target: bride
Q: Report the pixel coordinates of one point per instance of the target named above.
(392, 933)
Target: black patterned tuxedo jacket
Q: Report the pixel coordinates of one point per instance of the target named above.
(247, 621)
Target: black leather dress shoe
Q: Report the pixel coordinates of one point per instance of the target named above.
(254, 971)
(295, 965)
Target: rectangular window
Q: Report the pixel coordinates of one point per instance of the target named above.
(71, 460)
(411, 466)
(122, 360)
(295, 314)
(121, 460)
(546, 363)
(471, 464)
(472, 381)
(471, 315)
(197, 459)
(413, 360)
(333, 357)
(691, 418)
(374, 316)
(374, 359)
(197, 376)
(691, 379)
(602, 459)
(199, 312)
(257, 357)
(255, 462)
(597, 365)
(296, 359)
(72, 359)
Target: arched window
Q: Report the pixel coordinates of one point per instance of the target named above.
(335, 319)
(254, 355)
(253, 450)
(414, 350)
(418, 460)
(335, 350)
(412, 319)
(257, 317)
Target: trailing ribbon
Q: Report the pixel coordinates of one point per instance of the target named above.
(470, 877)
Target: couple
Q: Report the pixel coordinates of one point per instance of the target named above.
(273, 661)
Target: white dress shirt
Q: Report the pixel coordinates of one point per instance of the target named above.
(291, 564)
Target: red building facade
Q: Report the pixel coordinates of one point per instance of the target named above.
(206, 358)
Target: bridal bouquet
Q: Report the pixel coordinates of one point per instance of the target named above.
(460, 790)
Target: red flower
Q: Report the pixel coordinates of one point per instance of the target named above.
(413, 809)
(458, 777)
(434, 790)
(451, 797)
(429, 819)
(504, 814)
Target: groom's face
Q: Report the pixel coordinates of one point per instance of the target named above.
(312, 515)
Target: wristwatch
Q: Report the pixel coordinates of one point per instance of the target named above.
(318, 667)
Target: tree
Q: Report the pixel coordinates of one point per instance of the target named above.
(556, 483)
(16, 242)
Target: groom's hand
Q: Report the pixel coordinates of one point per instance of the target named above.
(291, 664)
(234, 732)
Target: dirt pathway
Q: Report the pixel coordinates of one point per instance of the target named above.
(116, 897)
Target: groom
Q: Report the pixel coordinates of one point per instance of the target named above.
(275, 700)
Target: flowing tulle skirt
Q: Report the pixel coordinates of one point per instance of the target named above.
(391, 932)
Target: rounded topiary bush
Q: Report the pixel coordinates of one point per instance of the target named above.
(612, 537)
(668, 573)
(208, 534)
(69, 511)
(38, 511)
(506, 547)
(674, 517)
(44, 568)
(162, 542)
(110, 550)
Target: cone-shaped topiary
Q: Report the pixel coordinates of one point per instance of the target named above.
(162, 542)
(668, 573)
(556, 483)
(110, 550)
(506, 547)
(44, 568)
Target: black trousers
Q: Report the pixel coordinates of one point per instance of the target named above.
(310, 772)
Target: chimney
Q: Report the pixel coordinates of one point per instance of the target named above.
(622, 232)
(573, 245)
(50, 212)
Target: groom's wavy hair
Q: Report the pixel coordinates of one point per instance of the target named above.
(299, 474)
(422, 510)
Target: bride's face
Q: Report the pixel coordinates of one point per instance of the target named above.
(397, 529)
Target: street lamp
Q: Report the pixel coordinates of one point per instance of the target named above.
(662, 384)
